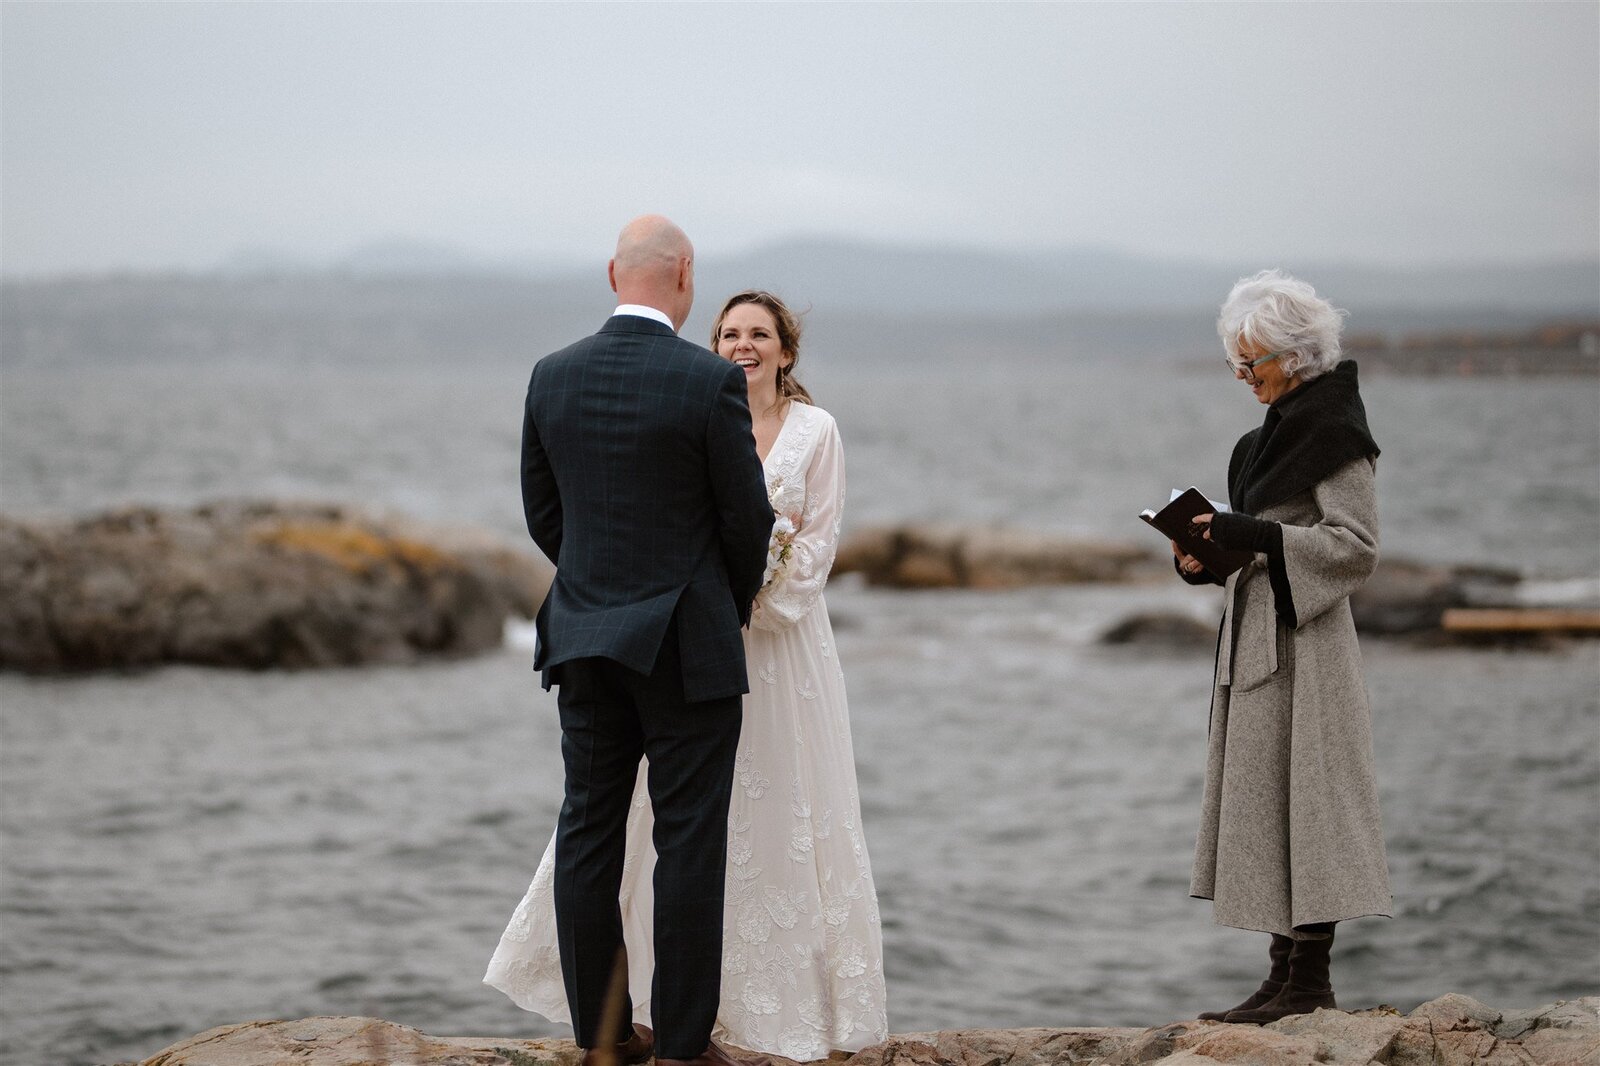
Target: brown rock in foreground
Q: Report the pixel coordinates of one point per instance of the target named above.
(354, 1042)
(253, 585)
(1450, 1031)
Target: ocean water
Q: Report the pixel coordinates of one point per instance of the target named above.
(186, 848)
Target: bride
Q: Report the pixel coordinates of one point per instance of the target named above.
(802, 948)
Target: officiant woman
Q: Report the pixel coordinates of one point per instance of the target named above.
(1290, 839)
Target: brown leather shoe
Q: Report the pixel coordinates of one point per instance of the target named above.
(634, 1050)
(713, 1055)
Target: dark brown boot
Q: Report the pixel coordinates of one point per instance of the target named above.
(1278, 952)
(1306, 990)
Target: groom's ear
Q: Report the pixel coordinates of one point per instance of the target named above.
(611, 274)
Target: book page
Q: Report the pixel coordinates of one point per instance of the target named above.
(1221, 508)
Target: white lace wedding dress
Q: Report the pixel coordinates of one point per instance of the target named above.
(802, 952)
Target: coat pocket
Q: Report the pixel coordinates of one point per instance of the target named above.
(1262, 645)
(1272, 664)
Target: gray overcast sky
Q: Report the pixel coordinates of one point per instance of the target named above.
(171, 135)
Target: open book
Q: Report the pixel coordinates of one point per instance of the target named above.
(1176, 521)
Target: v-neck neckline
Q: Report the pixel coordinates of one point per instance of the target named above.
(788, 416)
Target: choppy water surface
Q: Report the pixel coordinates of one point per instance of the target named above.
(188, 848)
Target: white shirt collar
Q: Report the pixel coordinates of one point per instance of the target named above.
(643, 311)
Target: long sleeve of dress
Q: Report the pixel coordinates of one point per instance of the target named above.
(1324, 563)
(791, 595)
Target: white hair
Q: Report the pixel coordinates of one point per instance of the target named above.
(1280, 313)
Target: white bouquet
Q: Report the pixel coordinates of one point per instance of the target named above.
(781, 546)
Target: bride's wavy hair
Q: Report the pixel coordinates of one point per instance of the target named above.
(788, 338)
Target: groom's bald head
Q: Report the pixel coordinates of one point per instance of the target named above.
(651, 242)
(654, 266)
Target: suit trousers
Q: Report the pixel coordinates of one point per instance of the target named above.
(610, 717)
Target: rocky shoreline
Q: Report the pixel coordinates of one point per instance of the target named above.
(1452, 1030)
(261, 584)
(1403, 598)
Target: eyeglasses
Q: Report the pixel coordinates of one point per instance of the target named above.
(1248, 367)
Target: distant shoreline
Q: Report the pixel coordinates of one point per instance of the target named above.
(1556, 348)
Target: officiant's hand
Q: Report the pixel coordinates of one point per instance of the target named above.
(1186, 562)
(1200, 525)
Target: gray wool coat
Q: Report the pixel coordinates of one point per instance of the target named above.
(1289, 830)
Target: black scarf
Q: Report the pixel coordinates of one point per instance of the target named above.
(1309, 432)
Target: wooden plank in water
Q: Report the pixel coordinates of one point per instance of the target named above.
(1519, 620)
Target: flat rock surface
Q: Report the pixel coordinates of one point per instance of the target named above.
(1450, 1031)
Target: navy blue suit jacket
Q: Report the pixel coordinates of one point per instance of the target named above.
(640, 481)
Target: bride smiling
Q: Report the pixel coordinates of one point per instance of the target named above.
(802, 955)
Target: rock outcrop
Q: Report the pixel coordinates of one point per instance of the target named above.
(1163, 629)
(1450, 1031)
(923, 557)
(1402, 598)
(253, 585)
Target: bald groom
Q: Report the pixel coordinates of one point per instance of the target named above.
(641, 483)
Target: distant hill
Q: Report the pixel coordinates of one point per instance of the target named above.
(845, 275)
(950, 280)
(400, 302)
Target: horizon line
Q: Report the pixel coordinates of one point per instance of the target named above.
(473, 263)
